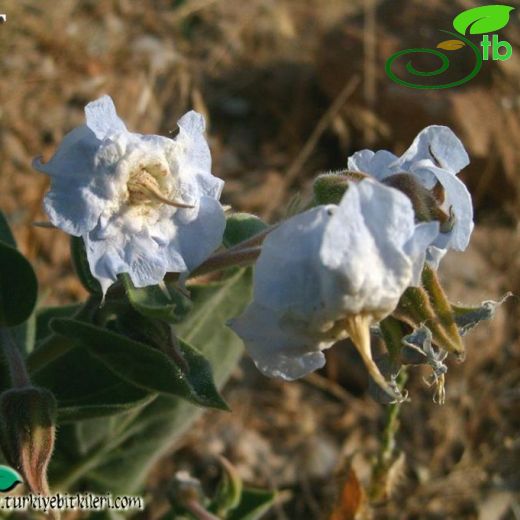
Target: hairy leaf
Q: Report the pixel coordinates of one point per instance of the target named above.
(146, 367)
(152, 301)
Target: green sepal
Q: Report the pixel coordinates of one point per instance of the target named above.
(468, 317)
(429, 305)
(82, 267)
(153, 302)
(392, 333)
(329, 188)
(443, 311)
(146, 367)
(241, 227)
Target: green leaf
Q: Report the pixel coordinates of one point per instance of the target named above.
(6, 235)
(254, 503)
(153, 302)
(82, 267)
(482, 20)
(240, 227)
(146, 367)
(18, 287)
(85, 388)
(45, 314)
(9, 479)
(229, 490)
(124, 469)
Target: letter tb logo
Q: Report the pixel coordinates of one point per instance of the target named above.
(481, 20)
(496, 45)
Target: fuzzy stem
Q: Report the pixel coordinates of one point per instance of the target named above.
(387, 446)
(17, 369)
(230, 258)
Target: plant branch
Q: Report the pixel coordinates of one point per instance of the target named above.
(230, 258)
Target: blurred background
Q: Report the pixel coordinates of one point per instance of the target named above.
(291, 88)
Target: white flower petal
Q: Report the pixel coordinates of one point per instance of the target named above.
(331, 272)
(75, 156)
(74, 209)
(434, 255)
(102, 118)
(113, 187)
(459, 199)
(424, 234)
(199, 231)
(378, 164)
(136, 254)
(76, 198)
(363, 249)
(194, 159)
(292, 249)
(440, 146)
(276, 352)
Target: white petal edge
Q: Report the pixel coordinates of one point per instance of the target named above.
(102, 118)
(277, 353)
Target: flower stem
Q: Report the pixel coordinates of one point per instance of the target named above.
(385, 457)
(17, 369)
(230, 258)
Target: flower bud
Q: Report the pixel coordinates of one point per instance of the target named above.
(329, 188)
(27, 431)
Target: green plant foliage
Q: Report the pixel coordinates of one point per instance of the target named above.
(6, 235)
(18, 287)
(240, 227)
(85, 388)
(483, 19)
(124, 467)
(254, 503)
(81, 266)
(329, 188)
(146, 367)
(468, 317)
(45, 314)
(229, 491)
(153, 302)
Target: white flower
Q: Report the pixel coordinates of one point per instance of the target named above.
(329, 273)
(144, 204)
(435, 156)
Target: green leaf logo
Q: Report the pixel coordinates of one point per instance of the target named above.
(482, 20)
(9, 479)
